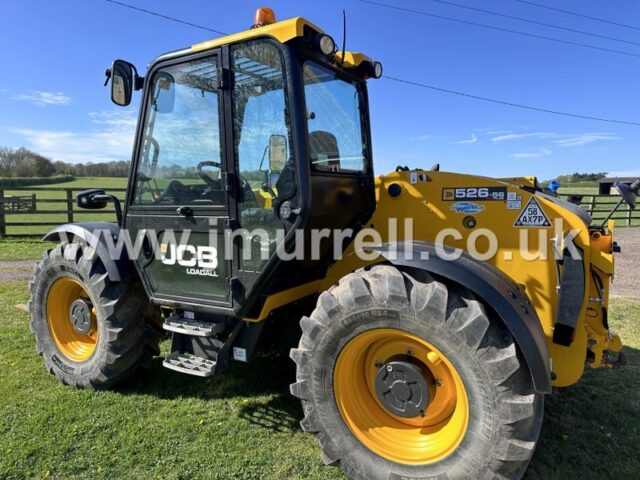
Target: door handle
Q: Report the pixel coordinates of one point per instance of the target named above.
(147, 246)
(184, 211)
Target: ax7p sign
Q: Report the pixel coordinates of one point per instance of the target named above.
(532, 216)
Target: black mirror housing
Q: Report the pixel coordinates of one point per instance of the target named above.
(627, 193)
(94, 199)
(124, 80)
(277, 152)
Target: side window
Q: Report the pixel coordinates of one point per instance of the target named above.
(261, 126)
(181, 160)
(334, 121)
(262, 144)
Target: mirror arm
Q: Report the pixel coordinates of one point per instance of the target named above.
(110, 198)
(107, 74)
(138, 82)
(611, 213)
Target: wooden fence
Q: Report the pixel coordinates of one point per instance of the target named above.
(599, 206)
(45, 207)
(39, 206)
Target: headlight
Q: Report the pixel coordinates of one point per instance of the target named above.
(377, 70)
(326, 44)
(371, 69)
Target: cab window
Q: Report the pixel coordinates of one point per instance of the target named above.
(181, 158)
(334, 121)
(261, 129)
(262, 144)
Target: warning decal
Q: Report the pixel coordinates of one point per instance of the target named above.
(532, 216)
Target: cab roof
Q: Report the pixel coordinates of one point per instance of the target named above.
(283, 31)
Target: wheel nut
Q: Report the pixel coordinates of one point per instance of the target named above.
(389, 368)
(439, 382)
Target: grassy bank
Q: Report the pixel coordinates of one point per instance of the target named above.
(243, 424)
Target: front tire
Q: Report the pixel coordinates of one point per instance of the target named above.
(483, 417)
(92, 332)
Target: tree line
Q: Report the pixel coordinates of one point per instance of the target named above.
(22, 162)
(580, 177)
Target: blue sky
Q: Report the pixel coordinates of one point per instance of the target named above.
(55, 52)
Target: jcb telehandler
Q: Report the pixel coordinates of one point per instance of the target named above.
(425, 352)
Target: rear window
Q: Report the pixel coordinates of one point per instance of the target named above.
(334, 121)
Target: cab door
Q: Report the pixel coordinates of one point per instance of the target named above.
(178, 201)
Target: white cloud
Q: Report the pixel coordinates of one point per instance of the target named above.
(497, 132)
(519, 136)
(472, 139)
(42, 98)
(560, 139)
(584, 139)
(542, 152)
(111, 139)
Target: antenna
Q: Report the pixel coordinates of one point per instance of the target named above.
(344, 34)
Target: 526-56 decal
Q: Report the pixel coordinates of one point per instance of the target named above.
(482, 194)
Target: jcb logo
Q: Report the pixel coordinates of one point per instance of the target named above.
(189, 256)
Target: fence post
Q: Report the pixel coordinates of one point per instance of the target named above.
(629, 211)
(69, 205)
(3, 228)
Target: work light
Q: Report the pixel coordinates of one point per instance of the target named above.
(326, 44)
(377, 70)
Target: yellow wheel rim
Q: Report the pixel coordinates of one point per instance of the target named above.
(73, 344)
(412, 441)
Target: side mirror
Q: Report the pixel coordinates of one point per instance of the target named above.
(165, 92)
(277, 152)
(627, 192)
(94, 199)
(124, 80)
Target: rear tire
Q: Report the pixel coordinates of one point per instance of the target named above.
(504, 413)
(123, 332)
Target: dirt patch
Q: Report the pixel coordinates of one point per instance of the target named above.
(627, 277)
(11, 270)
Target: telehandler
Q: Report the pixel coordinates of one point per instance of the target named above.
(423, 354)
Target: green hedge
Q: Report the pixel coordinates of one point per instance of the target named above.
(32, 181)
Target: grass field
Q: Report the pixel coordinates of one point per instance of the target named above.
(590, 189)
(243, 424)
(43, 206)
(110, 182)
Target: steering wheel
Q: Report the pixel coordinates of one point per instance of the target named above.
(212, 182)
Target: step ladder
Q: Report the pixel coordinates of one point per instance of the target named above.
(195, 345)
(190, 364)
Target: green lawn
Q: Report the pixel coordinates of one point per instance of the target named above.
(42, 204)
(243, 424)
(29, 248)
(588, 189)
(110, 182)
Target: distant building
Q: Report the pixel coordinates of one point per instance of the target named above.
(605, 184)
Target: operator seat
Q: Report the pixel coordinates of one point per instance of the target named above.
(323, 149)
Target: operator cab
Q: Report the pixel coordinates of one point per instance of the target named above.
(265, 131)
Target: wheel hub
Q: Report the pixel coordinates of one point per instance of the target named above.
(80, 315)
(402, 389)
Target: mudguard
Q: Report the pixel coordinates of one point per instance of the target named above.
(497, 291)
(92, 234)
